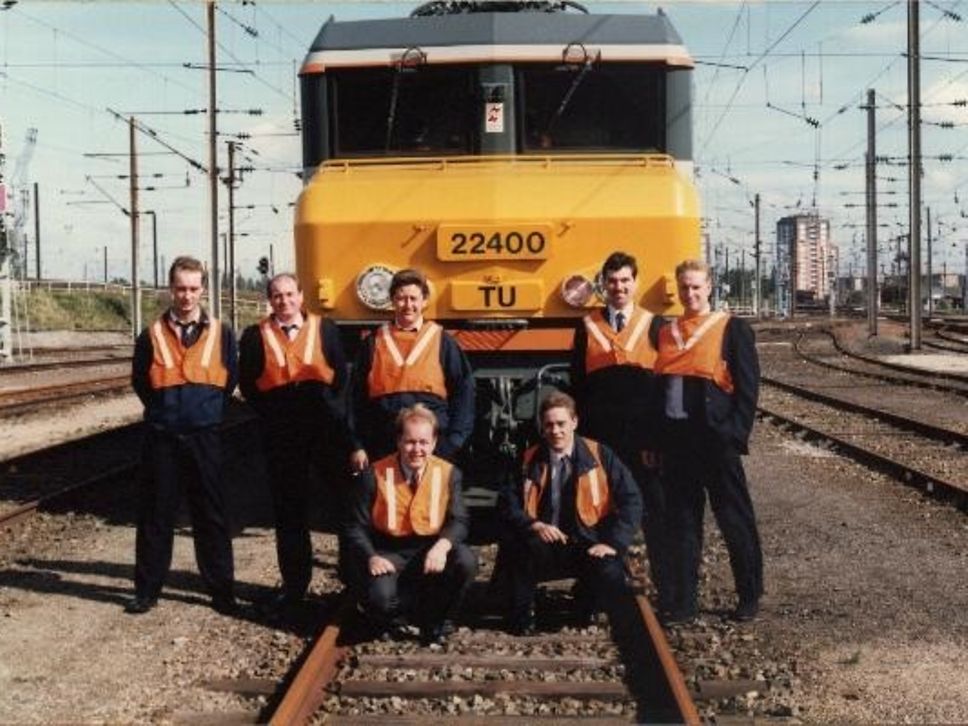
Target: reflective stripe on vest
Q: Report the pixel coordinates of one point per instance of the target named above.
(400, 511)
(289, 361)
(694, 347)
(630, 347)
(592, 494)
(419, 372)
(174, 365)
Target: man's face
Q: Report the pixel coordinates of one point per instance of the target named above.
(408, 305)
(286, 299)
(558, 426)
(694, 291)
(416, 442)
(186, 292)
(620, 287)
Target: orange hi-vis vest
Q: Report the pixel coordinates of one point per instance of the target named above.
(593, 502)
(407, 361)
(399, 510)
(630, 347)
(174, 365)
(290, 361)
(693, 346)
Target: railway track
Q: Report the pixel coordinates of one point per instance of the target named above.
(583, 676)
(17, 401)
(873, 368)
(54, 365)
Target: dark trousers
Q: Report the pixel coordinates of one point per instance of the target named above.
(692, 466)
(601, 579)
(409, 593)
(291, 449)
(191, 462)
(654, 519)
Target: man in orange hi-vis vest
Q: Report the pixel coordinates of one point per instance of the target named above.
(614, 383)
(710, 382)
(292, 371)
(572, 510)
(184, 370)
(407, 361)
(405, 534)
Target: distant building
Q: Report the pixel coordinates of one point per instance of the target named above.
(806, 255)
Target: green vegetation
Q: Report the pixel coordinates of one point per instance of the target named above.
(101, 310)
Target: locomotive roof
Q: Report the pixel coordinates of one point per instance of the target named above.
(341, 41)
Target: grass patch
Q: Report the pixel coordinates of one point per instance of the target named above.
(99, 310)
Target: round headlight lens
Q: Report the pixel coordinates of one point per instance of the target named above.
(577, 290)
(373, 287)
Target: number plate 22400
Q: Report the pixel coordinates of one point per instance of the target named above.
(465, 243)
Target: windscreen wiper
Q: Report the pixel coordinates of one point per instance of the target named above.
(587, 63)
(411, 58)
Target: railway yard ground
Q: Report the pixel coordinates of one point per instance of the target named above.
(864, 617)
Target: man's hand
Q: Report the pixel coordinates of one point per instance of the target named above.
(549, 533)
(437, 557)
(601, 550)
(359, 461)
(650, 459)
(381, 566)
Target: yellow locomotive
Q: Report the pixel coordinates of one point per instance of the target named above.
(504, 149)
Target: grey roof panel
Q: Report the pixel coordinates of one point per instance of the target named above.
(521, 28)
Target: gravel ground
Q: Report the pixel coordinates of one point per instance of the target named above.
(863, 620)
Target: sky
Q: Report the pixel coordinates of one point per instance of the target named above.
(778, 91)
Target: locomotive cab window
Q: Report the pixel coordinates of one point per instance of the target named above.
(401, 112)
(614, 107)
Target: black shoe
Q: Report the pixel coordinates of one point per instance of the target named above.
(280, 604)
(139, 605)
(436, 634)
(745, 611)
(225, 605)
(677, 617)
(522, 626)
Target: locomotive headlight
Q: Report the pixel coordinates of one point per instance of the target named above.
(577, 290)
(373, 287)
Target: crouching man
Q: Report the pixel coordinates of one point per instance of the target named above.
(405, 533)
(572, 511)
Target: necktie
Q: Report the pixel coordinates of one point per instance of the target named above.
(414, 480)
(619, 321)
(288, 330)
(562, 473)
(186, 331)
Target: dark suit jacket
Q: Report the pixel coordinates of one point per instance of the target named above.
(617, 529)
(730, 416)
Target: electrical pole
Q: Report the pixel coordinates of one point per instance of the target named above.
(214, 277)
(154, 242)
(230, 183)
(135, 284)
(914, 172)
(873, 294)
(105, 264)
(756, 254)
(37, 228)
(930, 283)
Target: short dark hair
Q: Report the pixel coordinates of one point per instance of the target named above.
(409, 276)
(281, 276)
(557, 399)
(616, 261)
(417, 412)
(184, 263)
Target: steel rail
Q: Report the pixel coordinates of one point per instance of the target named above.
(917, 378)
(318, 669)
(34, 397)
(59, 364)
(954, 377)
(896, 469)
(930, 431)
